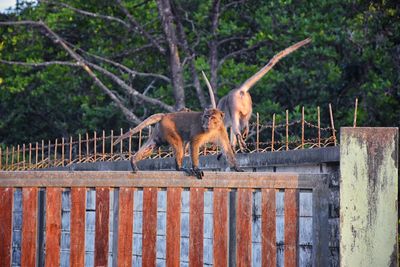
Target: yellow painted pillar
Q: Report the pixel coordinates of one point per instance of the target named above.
(368, 197)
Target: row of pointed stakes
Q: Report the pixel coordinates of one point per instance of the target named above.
(40, 156)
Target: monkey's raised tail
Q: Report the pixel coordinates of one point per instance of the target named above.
(256, 77)
(147, 122)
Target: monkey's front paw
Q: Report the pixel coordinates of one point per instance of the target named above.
(198, 173)
(237, 169)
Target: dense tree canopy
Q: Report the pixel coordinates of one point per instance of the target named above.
(71, 66)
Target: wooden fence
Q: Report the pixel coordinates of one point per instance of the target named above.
(289, 135)
(257, 219)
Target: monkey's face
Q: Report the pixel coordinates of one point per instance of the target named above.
(212, 119)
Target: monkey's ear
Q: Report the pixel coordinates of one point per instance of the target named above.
(222, 114)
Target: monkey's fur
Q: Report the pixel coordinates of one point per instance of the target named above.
(237, 104)
(177, 128)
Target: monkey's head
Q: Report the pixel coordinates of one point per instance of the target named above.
(212, 119)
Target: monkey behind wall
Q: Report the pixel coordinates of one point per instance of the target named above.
(176, 129)
(237, 104)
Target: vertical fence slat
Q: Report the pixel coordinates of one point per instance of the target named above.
(173, 226)
(220, 242)
(319, 126)
(29, 226)
(149, 227)
(268, 227)
(243, 227)
(291, 227)
(125, 226)
(53, 226)
(196, 230)
(77, 244)
(102, 226)
(6, 204)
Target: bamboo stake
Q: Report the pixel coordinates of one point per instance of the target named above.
(43, 151)
(355, 113)
(18, 156)
(319, 127)
(7, 158)
(95, 145)
(12, 158)
(130, 145)
(287, 130)
(140, 138)
(37, 155)
(104, 145)
(112, 141)
(30, 155)
(121, 143)
(62, 151)
(23, 156)
(1, 159)
(70, 149)
(87, 146)
(273, 133)
(332, 124)
(258, 132)
(55, 152)
(49, 152)
(302, 127)
(79, 147)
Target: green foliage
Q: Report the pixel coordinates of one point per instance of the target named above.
(354, 53)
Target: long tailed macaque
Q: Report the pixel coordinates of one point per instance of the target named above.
(176, 129)
(237, 104)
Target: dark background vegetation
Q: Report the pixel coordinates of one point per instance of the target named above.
(163, 45)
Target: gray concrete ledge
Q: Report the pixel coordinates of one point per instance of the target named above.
(267, 159)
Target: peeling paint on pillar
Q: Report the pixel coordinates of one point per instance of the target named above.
(368, 196)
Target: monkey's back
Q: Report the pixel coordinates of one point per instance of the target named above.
(182, 125)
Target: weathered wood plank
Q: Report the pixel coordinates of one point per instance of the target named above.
(243, 227)
(102, 226)
(173, 226)
(53, 226)
(196, 227)
(268, 225)
(149, 227)
(158, 179)
(125, 226)
(220, 242)
(77, 245)
(291, 227)
(6, 211)
(369, 196)
(29, 226)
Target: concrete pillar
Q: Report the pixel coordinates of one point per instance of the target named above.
(368, 197)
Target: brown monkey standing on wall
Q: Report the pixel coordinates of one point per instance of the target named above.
(177, 128)
(237, 104)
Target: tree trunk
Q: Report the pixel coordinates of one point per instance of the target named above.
(164, 8)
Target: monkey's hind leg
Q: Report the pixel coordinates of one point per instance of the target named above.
(144, 152)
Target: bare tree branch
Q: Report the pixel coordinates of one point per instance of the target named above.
(240, 52)
(81, 62)
(87, 13)
(40, 64)
(139, 28)
(123, 67)
(129, 89)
